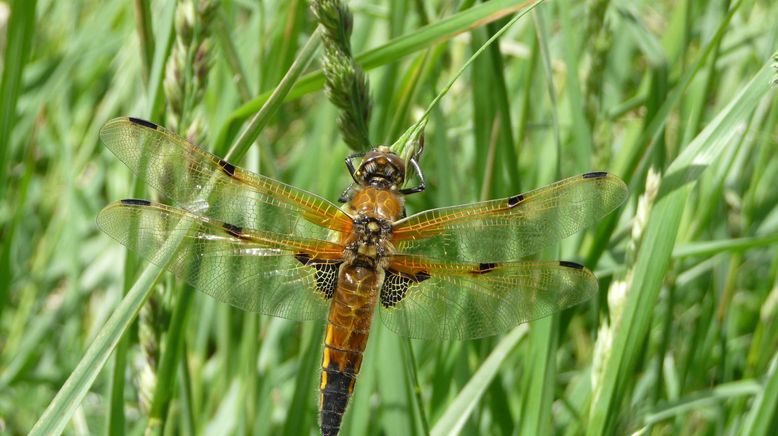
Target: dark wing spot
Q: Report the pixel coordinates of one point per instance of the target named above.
(516, 199)
(570, 264)
(326, 273)
(421, 276)
(233, 230)
(327, 278)
(484, 268)
(396, 285)
(303, 258)
(227, 167)
(595, 175)
(135, 202)
(143, 123)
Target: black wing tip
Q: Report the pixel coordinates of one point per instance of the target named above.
(614, 180)
(142, 122)
(135, 202)
(568, 264)
(595, 175)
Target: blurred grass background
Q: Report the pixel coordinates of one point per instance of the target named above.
(674, 97)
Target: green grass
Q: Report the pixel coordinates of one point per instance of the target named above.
(674, 97)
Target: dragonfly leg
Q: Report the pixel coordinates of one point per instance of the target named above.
(347, 194)
(350, 166)
(422, 184)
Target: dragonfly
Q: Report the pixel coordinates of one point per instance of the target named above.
(264, 246)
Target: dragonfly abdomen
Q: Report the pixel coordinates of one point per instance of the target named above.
(348, 326)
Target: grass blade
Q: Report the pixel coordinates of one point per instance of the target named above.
(764, 412)
(457, 414)
(654, 254)
(20, 32)
(69, 397)
(21, 26)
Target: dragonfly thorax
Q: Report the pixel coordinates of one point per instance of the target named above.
(369, 241)
(381, 168)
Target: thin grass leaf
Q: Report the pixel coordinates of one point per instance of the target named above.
(393, 385)
(21, 26)
(460, 410)
(64, 405)
(305, 382)
(415, 130)
(274, 101)
(165, 28)
(231, 55)
(145, 29)
(709, 399)
(541, 374)
(710, 248)
(763, 416)
(582, 145)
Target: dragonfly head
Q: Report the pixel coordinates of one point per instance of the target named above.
(381, 168)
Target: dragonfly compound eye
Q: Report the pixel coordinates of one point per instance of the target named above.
(381, 168)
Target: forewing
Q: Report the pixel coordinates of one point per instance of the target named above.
(510, 228)
(255, 271)
(206, 185)
(431, 300)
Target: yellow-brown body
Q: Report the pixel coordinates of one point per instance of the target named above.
(351, 311)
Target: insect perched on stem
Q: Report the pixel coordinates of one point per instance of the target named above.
(264, 246)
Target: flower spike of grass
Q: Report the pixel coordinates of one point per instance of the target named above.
(345, 83)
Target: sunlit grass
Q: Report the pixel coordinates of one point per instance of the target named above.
(683, 337)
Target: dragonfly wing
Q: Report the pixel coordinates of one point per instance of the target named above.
(206, 185)
(510, 228)
(256, 271)
(437, 300)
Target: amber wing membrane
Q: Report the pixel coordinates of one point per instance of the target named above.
(424, 299)
(206, 185)
(510, 228)
(274, 274)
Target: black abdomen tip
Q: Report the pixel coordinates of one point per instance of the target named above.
(332, 409)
